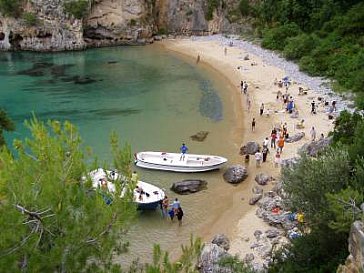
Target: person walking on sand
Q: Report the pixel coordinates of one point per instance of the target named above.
(280, 144)
(261, 109)
(313, 133)
(198, 59)
(245, 87)
(179, 214)
(183, 150)
(265, 142)
(277, 159)
(313, 107)
(225, 51)
(241, 86)
(253, 125)
(258, 158)
(273, 136)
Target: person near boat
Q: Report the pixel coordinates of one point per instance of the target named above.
(183, 150)
(179, 215)
(165, 205)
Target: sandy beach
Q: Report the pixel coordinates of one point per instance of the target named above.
(237, 64)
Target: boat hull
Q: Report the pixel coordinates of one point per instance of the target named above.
(187, 163)
(181, 169)
(148, 206)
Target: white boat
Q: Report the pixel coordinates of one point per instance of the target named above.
(177, 163)
(146, 196)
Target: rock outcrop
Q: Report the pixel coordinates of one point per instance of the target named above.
(235, 174)
(355, 261)
(250, 148)
(189, 186)
(49, 26)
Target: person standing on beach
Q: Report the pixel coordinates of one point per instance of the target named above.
(313, 133)
(245, 87)
(241, 86)
(280, 144)
(273, 136)
(313, 107)
(258, 158)
(179, 214)
(253, 125)
(198, 59)
(183, 150)
(225, 51)
(277, 159)
(261, 110)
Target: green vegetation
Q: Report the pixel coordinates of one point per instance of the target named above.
(212, 5)
(244, 7)
(6, 124)
(78, 8)
(52, 220)
(325, 37)
(11, 7)
(30, 18)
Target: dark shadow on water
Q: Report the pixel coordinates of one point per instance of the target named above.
(210, 103)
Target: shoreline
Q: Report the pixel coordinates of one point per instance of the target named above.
(260, 75)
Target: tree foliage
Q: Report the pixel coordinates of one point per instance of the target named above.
(327, 39)
(6, 124)
(11, 7)
(52, 219)
(78, 8)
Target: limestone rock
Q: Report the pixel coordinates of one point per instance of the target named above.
(295, 137)
(257, 190)
(222, 241)
(210, 255)
(262, 179)
(255, 199)
(313, 148)
(188, 186)
(249, 148)
(235, 174)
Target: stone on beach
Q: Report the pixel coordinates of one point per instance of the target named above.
(313, 148)
(222, 241)
(188, 186)
(262, 179)
(235, 174)
(249, 148)
(295, 137)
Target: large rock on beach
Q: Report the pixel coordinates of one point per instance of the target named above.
(256, 197)
(200, 136)
(222, 241)
(235, 174)
(249, 148)
(262, 179)
(188, 186)
(313, 148)
(210, 256)
(295, 137)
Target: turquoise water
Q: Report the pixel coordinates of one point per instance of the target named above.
(153, 99)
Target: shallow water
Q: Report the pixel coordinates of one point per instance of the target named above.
(154, 100)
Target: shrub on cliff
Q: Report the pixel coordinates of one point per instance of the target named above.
(11, 7)
(78, 8)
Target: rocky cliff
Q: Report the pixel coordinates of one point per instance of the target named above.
(46, 25)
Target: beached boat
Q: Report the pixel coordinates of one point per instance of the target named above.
(174, 162)
(146, 196)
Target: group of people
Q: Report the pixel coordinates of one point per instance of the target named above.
(173, 210)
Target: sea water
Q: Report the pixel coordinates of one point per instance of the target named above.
(154, 100)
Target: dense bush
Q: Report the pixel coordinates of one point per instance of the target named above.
(275, 38)
(244, 7)
(10, 7)
(325, 37)
(211, 7)
(299, 46)
(30, 18)
(78, 8)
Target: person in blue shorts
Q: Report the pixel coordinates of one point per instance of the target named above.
(183, 150)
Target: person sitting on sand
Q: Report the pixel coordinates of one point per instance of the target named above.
(300, 125)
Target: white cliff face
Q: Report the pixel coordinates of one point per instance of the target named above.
(118, 22)
(54, 31)
(109, 22)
